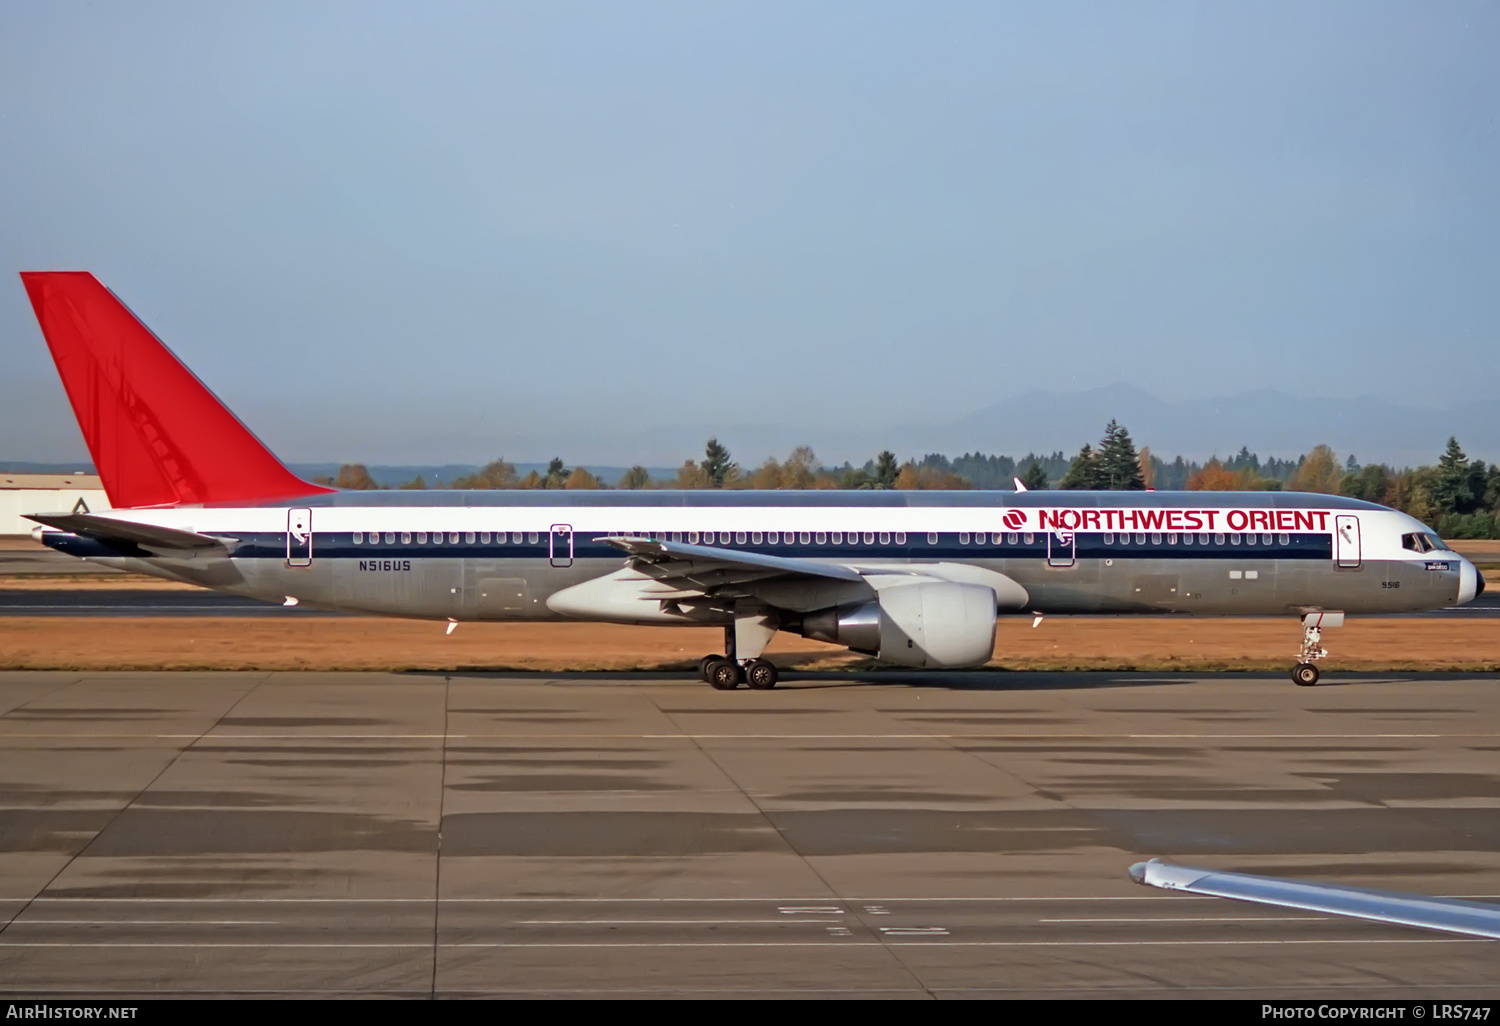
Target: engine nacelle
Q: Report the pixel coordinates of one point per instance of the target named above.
(932, 625)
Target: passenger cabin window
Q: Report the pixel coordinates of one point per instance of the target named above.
(804, 538)
(932, 538)
(773, 537)
(900, 537)
(421, 537)
(756, 537)
(1028, 537)
(405, 537)
(453, 538)
(723, 537)
(1012, 538)
(885, 538)
(1109, 538)
(484, 538)
(837, 537)
(740, 537)
(390, 538)
(1265, 539)
(677, 536)
(1156, 539)
(963, 537)
(359, 537)
(1218, 539)
(532, 537)
(821, 537)
(437, 538)
(1285, 539)
(1171, 539)
(1140, 539)
(869, 537)
(692, 537)
(1234, 539)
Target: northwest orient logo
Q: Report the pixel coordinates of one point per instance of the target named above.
(1014, 519)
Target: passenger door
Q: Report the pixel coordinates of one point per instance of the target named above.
(1346, 540)
(560, 545)
(1060, 548)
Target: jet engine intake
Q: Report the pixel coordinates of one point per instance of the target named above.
(930, 625)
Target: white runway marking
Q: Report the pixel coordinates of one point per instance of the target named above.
(148, 922)
(666, 921)
(913, 931)
(1196, 919)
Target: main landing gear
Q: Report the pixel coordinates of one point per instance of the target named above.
(1305, 674)
(726, 672)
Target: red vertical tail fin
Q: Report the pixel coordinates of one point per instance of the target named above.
(157, 435)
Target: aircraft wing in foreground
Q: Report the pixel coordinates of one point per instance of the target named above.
(1451, 915)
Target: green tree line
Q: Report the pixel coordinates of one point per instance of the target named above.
(1457, 496)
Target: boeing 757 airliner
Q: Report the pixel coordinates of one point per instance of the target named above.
(917, 579)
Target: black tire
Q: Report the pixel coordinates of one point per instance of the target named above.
(761, 674)
(1305, 675)
(724, 674)
(703, 666)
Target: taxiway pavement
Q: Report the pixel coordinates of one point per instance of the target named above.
(596, 834)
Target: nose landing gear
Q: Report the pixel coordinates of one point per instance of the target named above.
(1305, 674)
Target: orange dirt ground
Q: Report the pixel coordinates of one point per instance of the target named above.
(1060, 643)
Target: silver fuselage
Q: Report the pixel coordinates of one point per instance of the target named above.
(523, 555)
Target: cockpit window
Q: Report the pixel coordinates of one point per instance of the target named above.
(1421, 541)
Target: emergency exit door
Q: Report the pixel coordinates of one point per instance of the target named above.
(299, 537)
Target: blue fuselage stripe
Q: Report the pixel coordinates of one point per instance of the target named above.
(948, 547)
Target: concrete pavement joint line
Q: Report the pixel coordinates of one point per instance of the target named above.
(608, 901)
(456, 945)
(309, 736)
(437, 859)
(121, 810)
(806, 862)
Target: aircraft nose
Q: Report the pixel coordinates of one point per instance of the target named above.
(1470, 582)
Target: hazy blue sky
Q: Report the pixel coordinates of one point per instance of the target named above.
(432, 232)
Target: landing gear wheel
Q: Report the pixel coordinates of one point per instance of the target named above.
(724, 674)
(1305, 675)
(703, 666)
(761, 674)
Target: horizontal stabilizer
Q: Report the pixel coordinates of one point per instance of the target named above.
(108, 529)
(1451, 915)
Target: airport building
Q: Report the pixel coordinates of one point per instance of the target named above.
(46, 493)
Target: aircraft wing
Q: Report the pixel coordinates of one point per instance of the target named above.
(681, 559)
(123, 532)
(1451, 915)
